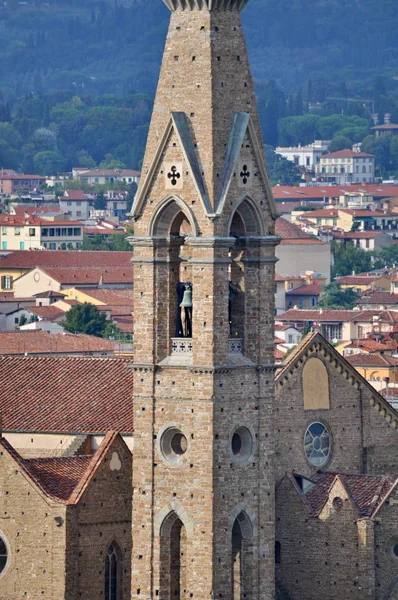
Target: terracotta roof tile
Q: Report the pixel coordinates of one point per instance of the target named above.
(27, 259)
(292, 234)
(307, 289)
(367, 492)
(47, 313)
(90, 275)
(347, 153)
(287, 192)
(371, 360)
(41, 342)
(65, 394)
(378, 297)
(58, 477)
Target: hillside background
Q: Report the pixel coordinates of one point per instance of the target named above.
(77, 78)
(116, 46)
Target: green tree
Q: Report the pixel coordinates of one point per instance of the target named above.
(22, 320)
(347, 258)
(387, 256)
(339, 142)
(48, 163)
(85, 318)
(335, 297)
(281, 170)
(100, 201)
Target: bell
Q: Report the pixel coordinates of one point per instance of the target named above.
(186, 299)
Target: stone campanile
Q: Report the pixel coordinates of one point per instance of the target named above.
(204, 254)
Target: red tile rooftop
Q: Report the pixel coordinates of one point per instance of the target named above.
(367, 492)
(41, 342)
(286, 192)
(292, 234)
(26, 259)
(66, 394)
(307, 289)
(347, 154)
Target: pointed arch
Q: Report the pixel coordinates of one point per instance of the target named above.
(241, 556)
(169, 215)
(112, 572)
(248, 213)
(173, 557)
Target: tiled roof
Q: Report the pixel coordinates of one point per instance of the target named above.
(283, 327)
(111, 173)
(287, 192)
(347, 154)
(111, 296)
(367, 492)
(19, 220)
(41, 342)
(371, 360)
(307, 289)
(292, 234)
(23, 176)
(50, 294)
(74, 195)
(386, 126)
(357, 279)
(378, 297)
(58, 477)
(23, 209)
(358, 235)
(372, 346)
(326, 212)
(90, 275)
(124, 323)
(296, 314)
(63, 479)
(26, 259)
(64, 394)
(47, 313)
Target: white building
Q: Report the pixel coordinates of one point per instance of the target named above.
(103, 176)
(346, 166)
(76, 204)
(306, 157)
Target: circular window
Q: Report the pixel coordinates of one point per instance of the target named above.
(173, 444)
(395, 549)
(337, 503)
(241, 444)
(3, 555)
(317, 444)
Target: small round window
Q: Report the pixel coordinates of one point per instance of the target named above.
(173, 444)
(3, 555)
(317, 444)
(241, 444)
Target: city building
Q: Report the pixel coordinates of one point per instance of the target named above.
(76, 204)
(104, 176)
(346, 166)
(305, 157)
(12, 183)
(34, 233)
(385, 129)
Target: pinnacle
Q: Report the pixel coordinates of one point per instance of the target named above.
(219, 5)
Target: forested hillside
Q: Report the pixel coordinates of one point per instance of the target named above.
(115, 46)
(77, 79)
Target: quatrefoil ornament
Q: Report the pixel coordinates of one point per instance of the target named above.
(173, 176)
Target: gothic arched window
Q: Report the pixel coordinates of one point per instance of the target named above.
(111, 573)
(3, 555)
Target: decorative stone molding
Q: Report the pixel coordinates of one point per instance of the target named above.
(181, 346)
(235, 346)
(205, 4)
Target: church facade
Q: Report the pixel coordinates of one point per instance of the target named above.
(239, 486)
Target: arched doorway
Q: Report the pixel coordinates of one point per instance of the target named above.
(173, 558)
(242, 557)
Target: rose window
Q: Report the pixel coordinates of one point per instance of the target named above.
(317, 444)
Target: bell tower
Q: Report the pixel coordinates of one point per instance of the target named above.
(204, 255)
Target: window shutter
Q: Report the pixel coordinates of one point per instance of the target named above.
(3, 282)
